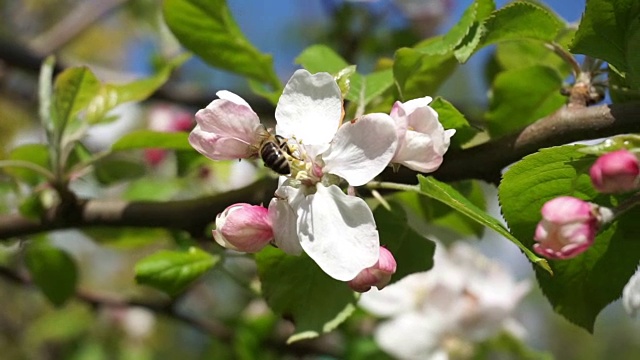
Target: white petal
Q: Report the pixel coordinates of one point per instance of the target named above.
(631, 295)
(282, 211)
(228, 95)
(310, 108)
(285, 233)
(226, 118)
(423, 152)
(411, 336)
(362, 149)
(338, 232)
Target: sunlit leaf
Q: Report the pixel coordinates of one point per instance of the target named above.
(207, 28)
(72, 91)
(111, 95)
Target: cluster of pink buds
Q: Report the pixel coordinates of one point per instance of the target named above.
(569, 225)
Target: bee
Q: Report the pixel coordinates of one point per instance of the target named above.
(274, 152)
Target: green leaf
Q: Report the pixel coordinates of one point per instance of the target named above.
(610, 30)
(73, 90)
(53, 271)
(366, 88)
(522, 96)
(581, 287)
(32, 207)
(207, 28)
(412, 251)
(475, 29)
(112, 95)
(451, 118)
(521, 20)
(114, 169)
(142, 139)
(173, 271)
(605, 32)
(36, 159)
(420, 72)
(446, 194)
(295, 287)
(321, 58)
(527, 53)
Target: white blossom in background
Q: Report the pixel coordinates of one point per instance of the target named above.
(466, 298)
(631, 295)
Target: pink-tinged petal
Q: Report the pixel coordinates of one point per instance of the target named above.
(219, 148)
(243, 227)
(362, 149)
(310, 108)
(616, 172)
(226, 129)
(338, 232)
(378, 275)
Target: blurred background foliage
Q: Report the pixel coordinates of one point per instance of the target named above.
(122, 40)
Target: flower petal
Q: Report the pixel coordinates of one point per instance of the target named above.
(361, 149)
(310, 108)
(226, 128)
(284, 219)
(218, 148)
(228, 95)
(412, 336)
(338, 232)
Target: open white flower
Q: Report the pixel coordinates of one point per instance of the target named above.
(312, 213)
(464, 299)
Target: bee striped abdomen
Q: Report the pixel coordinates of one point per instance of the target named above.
(274, 158)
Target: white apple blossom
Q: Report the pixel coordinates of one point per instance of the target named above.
(313, 214)
(464, 299)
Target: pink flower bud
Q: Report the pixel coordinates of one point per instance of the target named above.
(378, 275)
(568, 227)
(615, 172)
(243, 227)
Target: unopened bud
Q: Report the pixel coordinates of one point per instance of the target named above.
(243, 227)
(615, 172)
(378, 275)
(568, 227)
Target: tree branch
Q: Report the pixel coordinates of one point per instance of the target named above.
(192, 216)
(483, 162)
